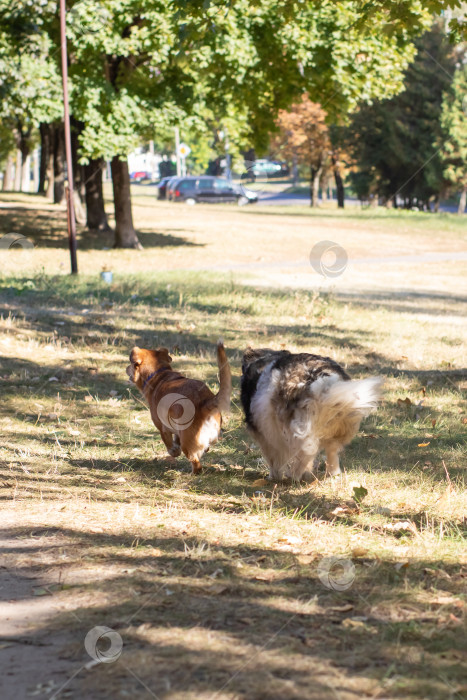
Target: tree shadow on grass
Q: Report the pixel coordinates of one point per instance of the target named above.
(48, 229)
(200, 618)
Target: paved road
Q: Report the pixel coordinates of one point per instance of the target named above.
(285, 199)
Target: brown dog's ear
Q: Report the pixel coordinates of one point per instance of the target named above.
(164, 355)
(135, 358)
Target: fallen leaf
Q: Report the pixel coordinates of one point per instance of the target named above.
(342, 608)
(405, 401)
(448, 600)
(401, 565)
(423, 444)
(456, 620)
(88, 398)
(359, 552)
(260, 482)
(304, 559)
(356, 625)
(359, 493)
(290, 539)
(264, 577)
(40, 591)
(401, 526)
(433, 422)
(344, 510)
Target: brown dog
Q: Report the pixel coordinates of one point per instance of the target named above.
(185, 411)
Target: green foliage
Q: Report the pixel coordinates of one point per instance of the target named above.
(142, 65)
(392, 141)
(454, 131)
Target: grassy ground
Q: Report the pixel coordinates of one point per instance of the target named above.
(212, 582)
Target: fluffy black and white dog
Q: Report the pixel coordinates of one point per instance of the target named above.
(297, 405)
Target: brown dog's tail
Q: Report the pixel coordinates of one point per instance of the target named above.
(221, 402)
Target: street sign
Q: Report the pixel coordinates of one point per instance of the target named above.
(184, 150)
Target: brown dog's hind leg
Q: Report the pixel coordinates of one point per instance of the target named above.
(175, 450)
(171, 442)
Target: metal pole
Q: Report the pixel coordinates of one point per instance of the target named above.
(69, 188)
(177, 150)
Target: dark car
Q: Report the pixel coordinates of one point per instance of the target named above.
(206, 188)
(162, 187)
(170, 187)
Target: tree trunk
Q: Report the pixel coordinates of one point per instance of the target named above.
(339, 182)
(96, 217)
(462, 201)
(315, 175)
(47, 160)
(18, 171)
(59, 165)
(8, 174)
(295, 171)
(78, 172)
(125, 234)
(25, 170)
(324, 191)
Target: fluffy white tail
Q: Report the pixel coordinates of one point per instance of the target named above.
(344, 402)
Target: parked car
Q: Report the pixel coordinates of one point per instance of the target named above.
(162, 187)
(171, 185)
(140, 175)
(269, 168)
(209, 189)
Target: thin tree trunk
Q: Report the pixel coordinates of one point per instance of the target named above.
(78, 173)
(462, 201)
(324, 193)
(18, 171)
(8, 175)
(339, 181)
(295, 171)
(315, 175)
(46, 162)
(96, 217)
(59, 165)
(125, 234)
(25, 170)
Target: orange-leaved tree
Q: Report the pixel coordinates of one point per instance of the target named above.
(303, 137)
